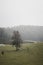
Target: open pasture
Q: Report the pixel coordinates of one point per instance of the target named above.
(29, 54)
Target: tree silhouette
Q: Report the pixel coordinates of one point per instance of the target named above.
(16, 39)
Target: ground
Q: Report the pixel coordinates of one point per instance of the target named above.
(29, 54)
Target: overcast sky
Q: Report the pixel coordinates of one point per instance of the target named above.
(21, 12)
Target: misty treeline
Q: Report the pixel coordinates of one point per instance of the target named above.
(4, 36)
(34, 33)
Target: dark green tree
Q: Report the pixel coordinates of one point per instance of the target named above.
(3, 36)
(16, 39)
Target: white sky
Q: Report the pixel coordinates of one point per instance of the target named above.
(21, 12)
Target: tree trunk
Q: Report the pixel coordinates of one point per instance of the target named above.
(17, 49)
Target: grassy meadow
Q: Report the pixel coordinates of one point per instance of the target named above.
(29, 54)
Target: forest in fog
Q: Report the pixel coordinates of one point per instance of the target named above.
(32, 33)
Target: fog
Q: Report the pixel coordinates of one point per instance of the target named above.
(21, 12)
(26, 16)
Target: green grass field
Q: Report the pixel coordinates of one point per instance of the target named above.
(29, 54)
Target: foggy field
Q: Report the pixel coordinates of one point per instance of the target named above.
(29, 54)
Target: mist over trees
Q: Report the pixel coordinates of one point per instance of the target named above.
(32, 33)
(4, 36)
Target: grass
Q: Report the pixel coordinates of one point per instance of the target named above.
(31, 54)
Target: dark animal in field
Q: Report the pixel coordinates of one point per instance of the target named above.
(2, 53)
